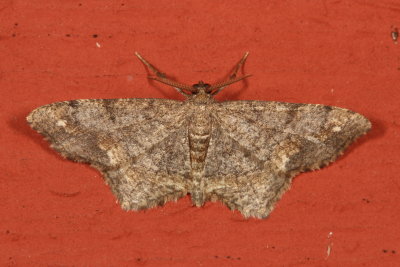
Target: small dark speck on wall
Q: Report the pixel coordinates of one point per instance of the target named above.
(395, 34)
(366, 200)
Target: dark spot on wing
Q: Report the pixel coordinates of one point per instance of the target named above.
(108, 105)
(73, 103)
(291, 114)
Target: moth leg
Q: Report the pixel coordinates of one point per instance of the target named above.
(162, 77)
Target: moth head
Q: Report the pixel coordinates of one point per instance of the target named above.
(201, 87)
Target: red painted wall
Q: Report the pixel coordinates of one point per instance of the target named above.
(59, 213)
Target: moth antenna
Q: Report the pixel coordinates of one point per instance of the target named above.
(232, 77)
(220, 86)
(239, 65)
(162, 77)
(178, 86)
(150, 66)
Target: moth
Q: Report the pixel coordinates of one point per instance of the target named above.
(242, 153)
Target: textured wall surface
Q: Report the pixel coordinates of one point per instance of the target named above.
(59, 213)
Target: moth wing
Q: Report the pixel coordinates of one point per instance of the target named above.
(257, 147)
(140, 145)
